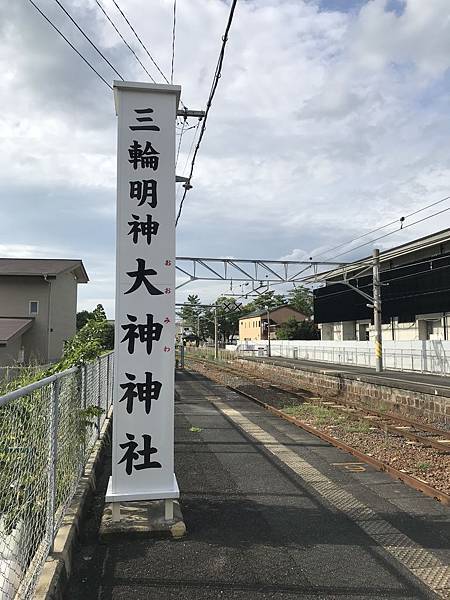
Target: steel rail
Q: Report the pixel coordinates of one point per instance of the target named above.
(358, 413)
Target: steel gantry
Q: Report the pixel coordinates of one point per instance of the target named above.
(240, 269)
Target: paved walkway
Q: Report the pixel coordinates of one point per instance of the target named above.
(272, 512)
(422, 382)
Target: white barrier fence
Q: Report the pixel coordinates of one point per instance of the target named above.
(431, 356)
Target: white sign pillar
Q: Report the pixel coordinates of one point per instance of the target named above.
(143, 437)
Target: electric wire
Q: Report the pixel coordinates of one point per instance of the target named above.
(144, 47)
(389, 233)
(173, 38)
(191, 147)
(139, 40)
(384, 226)
(179, 142)
(189, 153)
(62, 7)
(215, 83)
(124, 40)
(70, 43)
(383, 282)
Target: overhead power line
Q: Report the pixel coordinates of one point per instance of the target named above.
(139, 40)
(396, 221)
(70, 44)
(88, 39)
(179, 141)
(212, 92)
(173, 38)
(123, 39)
(389, 233)
(384, 281)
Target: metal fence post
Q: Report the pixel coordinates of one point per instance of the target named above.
(107, 385)
(99, 395)
(52, 463)
(84, 384)
(111, 400)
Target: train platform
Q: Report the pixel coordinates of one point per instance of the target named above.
(272, 512)
(415, 381)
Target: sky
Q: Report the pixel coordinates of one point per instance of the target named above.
(331, 119)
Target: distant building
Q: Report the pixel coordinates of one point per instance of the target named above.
(415, 294)
(38, 307)
(253, 327)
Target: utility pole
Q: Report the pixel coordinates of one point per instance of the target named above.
(216, 341)
(268, 332)
(182, 346)
(377, 311)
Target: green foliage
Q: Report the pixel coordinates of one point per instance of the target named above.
(267, 299)
(190, 315)
(87, 344)
(228, 314)
(297, 330)
(319, 414)
(301, 298)
(423, 467)
(82, 318)
(201, 320)
(24, 431)
(357, 427)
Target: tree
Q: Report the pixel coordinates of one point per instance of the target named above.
(82, 318)
(267, 299)
(94, 337)
(191, 311)
(228, 313)
(297, 330)
(301, 298)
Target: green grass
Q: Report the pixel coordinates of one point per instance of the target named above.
(322, 415)
(357, 427)
(423, 466)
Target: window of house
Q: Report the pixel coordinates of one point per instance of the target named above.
(34, 307)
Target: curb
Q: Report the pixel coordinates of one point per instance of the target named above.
(58, 566)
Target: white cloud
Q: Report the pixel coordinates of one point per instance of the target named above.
(325, 125)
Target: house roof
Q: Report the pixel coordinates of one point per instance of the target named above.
(263, 312)
(10, 328)
(43, 267)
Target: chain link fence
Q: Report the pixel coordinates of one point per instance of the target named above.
(47, 430)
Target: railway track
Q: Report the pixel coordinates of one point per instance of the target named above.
(413, 430)
(399, 426)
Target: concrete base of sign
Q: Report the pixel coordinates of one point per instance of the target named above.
(166, 496)
(144, 517)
